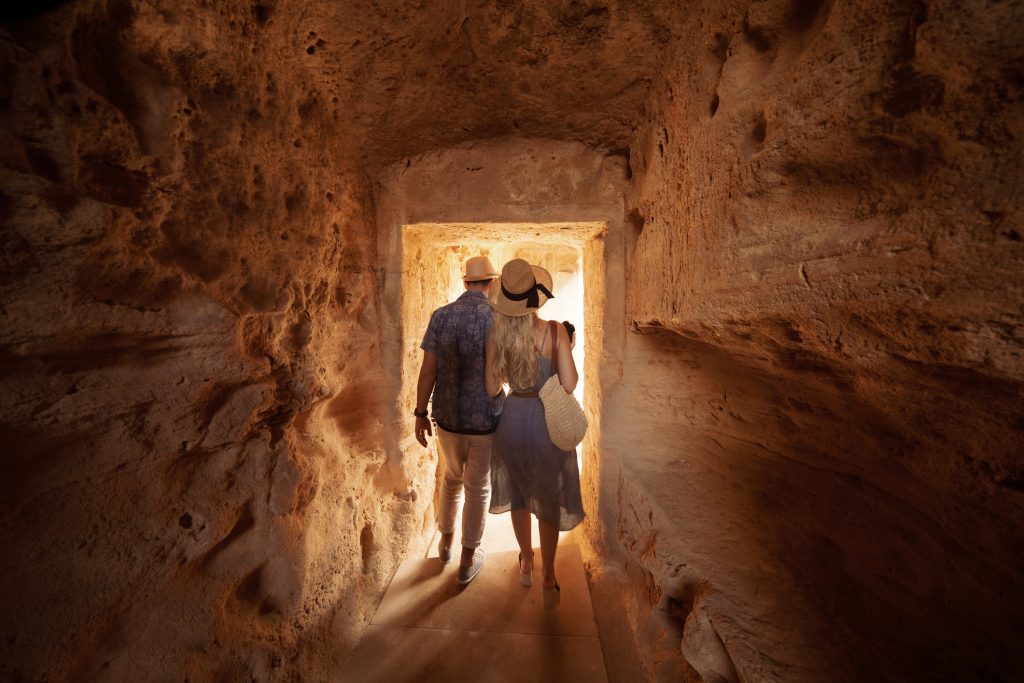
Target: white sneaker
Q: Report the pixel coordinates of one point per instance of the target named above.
(467, 574)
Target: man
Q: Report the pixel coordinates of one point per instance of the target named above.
(466, 417)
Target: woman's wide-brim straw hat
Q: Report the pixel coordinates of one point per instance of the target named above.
(523, 288)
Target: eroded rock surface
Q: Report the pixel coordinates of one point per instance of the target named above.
(196, 479)
(805, 386)
(825, 278)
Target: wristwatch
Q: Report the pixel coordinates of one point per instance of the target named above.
(420, 413)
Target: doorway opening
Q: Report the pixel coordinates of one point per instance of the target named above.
(433, 257)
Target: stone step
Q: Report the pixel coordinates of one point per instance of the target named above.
(428, 627)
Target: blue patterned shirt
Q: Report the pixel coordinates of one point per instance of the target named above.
(457, 335)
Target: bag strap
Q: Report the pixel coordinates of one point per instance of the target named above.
(553, 330)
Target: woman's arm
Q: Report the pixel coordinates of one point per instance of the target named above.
(567, 374)
(493, 387)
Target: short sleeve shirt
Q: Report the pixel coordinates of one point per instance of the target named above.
(457, 335)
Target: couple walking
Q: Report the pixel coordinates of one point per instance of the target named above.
(489, 336)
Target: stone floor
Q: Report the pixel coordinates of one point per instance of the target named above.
(428, 628)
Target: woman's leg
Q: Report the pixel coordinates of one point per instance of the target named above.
(548, 545)
(522, 525)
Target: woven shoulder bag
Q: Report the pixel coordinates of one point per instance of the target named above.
(566, 422)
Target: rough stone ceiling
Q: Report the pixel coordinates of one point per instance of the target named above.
(398, 77)
(369, 82)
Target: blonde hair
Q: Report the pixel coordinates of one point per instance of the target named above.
(515, 361)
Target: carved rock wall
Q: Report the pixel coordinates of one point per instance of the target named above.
(196, 482)
(825, 286)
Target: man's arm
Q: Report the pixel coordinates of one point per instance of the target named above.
(425, 387)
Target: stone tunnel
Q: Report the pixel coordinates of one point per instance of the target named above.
(792, 229)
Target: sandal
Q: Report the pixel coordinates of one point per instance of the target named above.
(525, 578)
(552, 596)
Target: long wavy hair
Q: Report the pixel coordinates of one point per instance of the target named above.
(515, 359)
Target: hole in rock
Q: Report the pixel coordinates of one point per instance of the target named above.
(760, 131)
(635, 221)
(366, 545)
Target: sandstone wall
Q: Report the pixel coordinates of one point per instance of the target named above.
(195, 477)
(819, 467)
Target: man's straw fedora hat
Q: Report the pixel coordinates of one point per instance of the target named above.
(479, 268)
(524, 288)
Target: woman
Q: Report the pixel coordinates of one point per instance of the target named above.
(529, 474)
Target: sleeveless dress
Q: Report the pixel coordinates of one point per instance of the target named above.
(527, 470)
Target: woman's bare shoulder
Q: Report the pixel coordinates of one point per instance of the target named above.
(563, 334)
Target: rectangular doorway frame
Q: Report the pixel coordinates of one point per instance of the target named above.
(569, 184)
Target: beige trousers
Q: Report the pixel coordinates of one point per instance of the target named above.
(466, 462)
